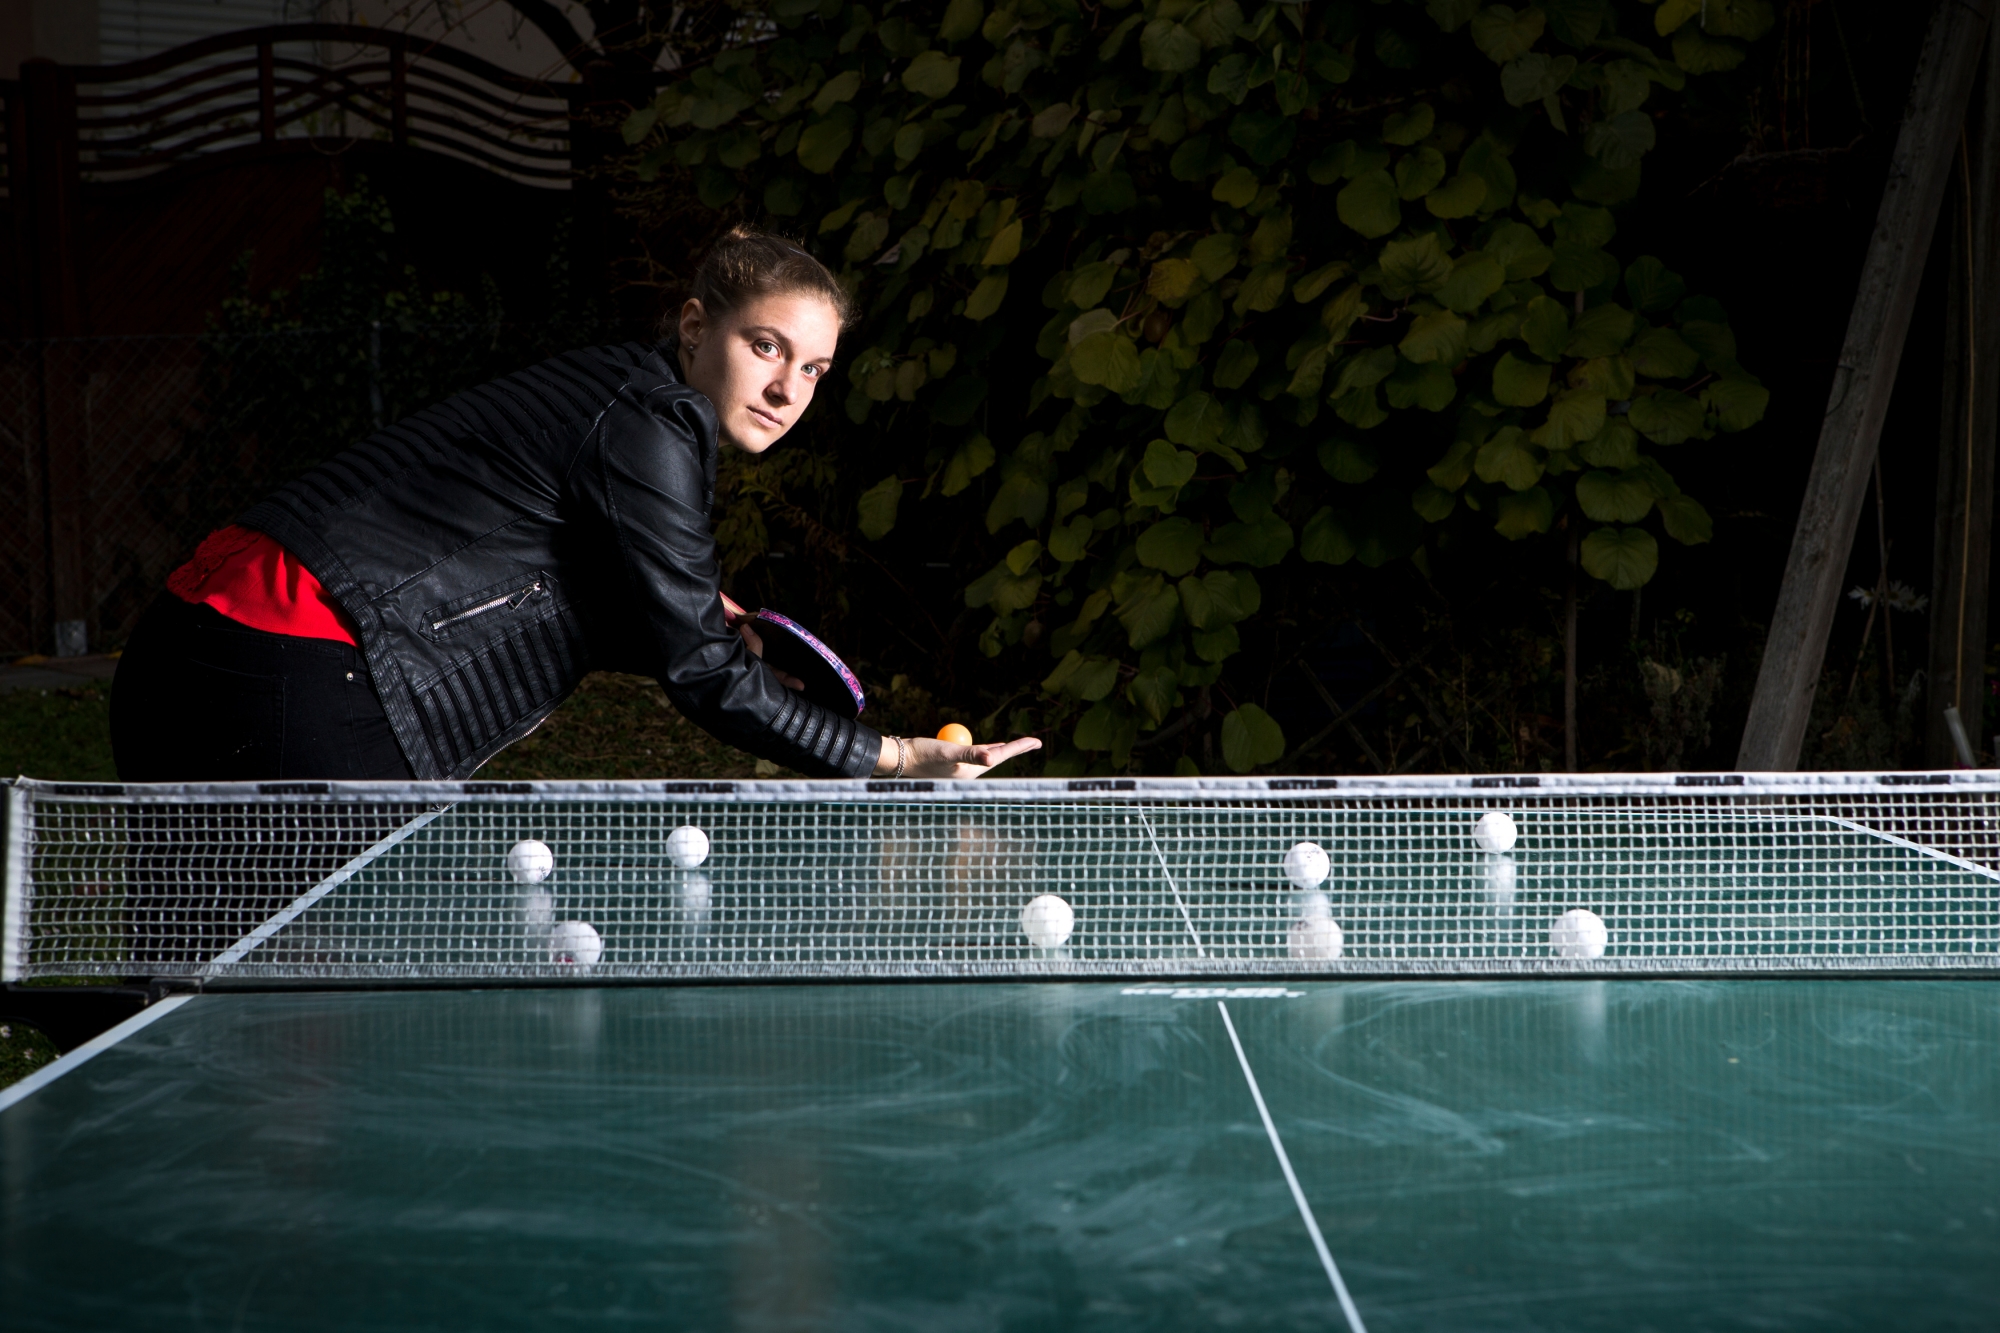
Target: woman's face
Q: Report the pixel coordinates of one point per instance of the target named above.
(759, 364)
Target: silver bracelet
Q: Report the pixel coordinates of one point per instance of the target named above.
(902, 757)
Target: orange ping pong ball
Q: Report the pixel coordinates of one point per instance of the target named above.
(955, 733)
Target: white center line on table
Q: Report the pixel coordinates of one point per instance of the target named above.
(97, 1045)
(1298, 1195)
(1354, 1323)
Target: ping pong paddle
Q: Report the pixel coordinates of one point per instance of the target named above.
(792, 648)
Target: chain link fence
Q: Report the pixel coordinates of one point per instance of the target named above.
(117, 455)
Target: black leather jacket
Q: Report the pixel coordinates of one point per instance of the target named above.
(495, 548)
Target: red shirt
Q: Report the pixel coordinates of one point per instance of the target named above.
(254, 581)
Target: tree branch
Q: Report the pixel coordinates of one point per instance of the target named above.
(552, 23)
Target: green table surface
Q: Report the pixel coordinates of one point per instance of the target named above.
(1779, 1154)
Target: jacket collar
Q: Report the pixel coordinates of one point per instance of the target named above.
(665, 360)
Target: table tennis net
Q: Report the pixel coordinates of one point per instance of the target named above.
(410, 883)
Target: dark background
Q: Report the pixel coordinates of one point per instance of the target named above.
(1763, 195)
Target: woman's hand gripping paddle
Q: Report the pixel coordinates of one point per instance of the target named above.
(800, 660)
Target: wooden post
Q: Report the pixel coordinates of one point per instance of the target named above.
(24, 511)
(51, 177)
(1569, 652)
(1925, 151)
(399, 97)
(23, 209)
(1962, 553)
(267, 92)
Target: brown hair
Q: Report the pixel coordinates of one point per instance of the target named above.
(747, 264)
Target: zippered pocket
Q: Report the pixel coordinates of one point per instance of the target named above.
(511, 599)
(448, 618)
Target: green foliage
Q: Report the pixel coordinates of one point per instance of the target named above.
(1247, 288)
(24, 1050)
(878, 506)
(1251, 739)
(333, 328)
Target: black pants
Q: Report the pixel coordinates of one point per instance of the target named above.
(200, 698)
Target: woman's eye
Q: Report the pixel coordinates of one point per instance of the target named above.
(767, 348)
(812, 371)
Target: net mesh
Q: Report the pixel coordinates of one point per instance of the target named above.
(412, 882)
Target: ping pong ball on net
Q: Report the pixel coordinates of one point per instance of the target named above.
(955, 733)
(1048, 921)
(1495, 832)
(1306, 865)
(530, 861)
(687, 846)
(1579, 934)
(576, 942)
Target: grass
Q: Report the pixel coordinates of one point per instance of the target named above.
(614, 726)
(23, 1050)
(61, 734)
(618, 726)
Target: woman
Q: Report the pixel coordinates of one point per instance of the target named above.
(426, 598)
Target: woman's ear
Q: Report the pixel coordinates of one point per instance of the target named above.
(693, 322)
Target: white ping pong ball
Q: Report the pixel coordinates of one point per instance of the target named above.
(1306, 865)
(1495, 832)
(1047, 921)
(687, 846)
(1315, 937)
(530, 861)
(576, 942)
(1579, 934)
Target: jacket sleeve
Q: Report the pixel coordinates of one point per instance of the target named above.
(648, 479)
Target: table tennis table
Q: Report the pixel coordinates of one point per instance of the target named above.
(822, 1081)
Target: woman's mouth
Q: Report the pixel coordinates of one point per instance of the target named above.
(765, 419)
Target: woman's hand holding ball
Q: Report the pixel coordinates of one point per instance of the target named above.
(952, 755)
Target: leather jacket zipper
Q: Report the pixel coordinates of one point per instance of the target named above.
(509, 600)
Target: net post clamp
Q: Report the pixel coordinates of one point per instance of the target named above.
(14, 885)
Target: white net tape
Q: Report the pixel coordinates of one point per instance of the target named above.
(301, 883)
